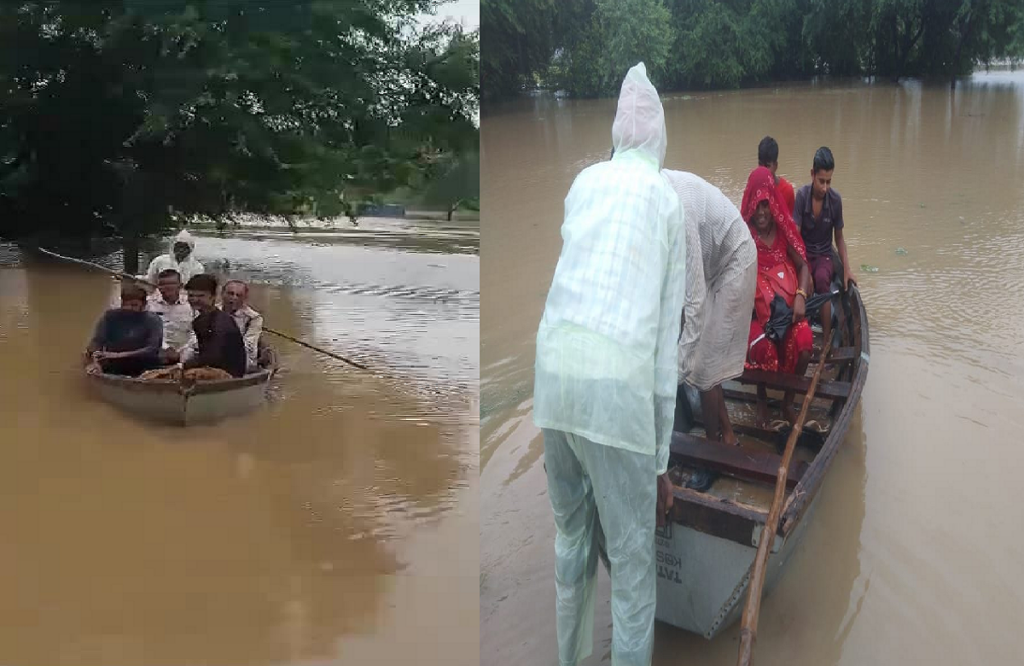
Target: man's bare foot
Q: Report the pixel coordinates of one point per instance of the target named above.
(729, 439)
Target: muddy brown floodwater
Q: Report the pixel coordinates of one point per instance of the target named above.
(339, 525)
(914, 553)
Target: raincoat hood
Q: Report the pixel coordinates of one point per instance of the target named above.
(184, 237)
(639, 118)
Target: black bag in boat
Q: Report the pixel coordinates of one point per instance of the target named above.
(782, 315)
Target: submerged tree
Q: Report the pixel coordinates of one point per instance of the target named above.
(120, 116)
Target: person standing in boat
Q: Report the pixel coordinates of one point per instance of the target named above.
(819, 217)
(768, 157)
(219, 342)
(234, 301)
(605, 378)
(170, 303)
(721, 275)
(127, 339)
(781, 272)
(181, 259)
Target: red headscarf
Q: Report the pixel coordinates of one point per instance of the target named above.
(761, 187)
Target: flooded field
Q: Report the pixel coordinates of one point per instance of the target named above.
(321, 530)
(912, 553)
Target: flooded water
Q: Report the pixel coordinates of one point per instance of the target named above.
(912, 555)
(338, 525)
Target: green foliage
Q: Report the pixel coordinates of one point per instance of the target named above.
(636, 30)
(117, 116)
(711, 50)
(456, 183)
(604, 38)
(831, 51)
(518, 34)
(585, 47)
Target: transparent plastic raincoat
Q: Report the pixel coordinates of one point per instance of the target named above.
(605, 376)
(187, 268)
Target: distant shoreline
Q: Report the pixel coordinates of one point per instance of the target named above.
(470, 219)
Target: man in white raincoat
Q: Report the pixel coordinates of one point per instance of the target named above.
(606, 378)
(721, 276)
(180, 258)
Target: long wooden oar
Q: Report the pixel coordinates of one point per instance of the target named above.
(128, 276)
(748, 629)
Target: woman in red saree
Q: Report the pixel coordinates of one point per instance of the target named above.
(781, 270)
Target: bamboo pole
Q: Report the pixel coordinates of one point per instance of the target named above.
(128, 276)
(752, 610)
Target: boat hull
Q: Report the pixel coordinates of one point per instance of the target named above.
(702, 579)
(704, 556)
(171, 403)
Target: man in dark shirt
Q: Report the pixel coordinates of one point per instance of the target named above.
(818, 213)
(220, 342)
(127, 339)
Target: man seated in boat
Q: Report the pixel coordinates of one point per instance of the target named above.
(818, 214)
(219, 342)
(127, 339)
(170, 303)
(235, 302)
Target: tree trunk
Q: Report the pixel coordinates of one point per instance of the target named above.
(964, 31)
(908, 47)
(895, 49)
(130, 245)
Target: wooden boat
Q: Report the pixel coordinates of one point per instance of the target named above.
(705, 553)
(175, 403)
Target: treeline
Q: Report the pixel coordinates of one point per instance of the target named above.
(122, 117)
(585, 46)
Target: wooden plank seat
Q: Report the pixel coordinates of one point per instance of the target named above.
(839, 355)
(785, 382)
(732, 460)
(809, 437)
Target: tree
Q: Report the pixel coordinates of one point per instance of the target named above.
(518, 34)
(120, 117)
(582, 46)
(605, 38)
(637, 30)
(832, 51)
(711, 50)
(456, 183)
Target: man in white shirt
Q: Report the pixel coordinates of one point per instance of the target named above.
(606, 375)
(234, 301)
(170, 302)
(721, 277)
